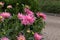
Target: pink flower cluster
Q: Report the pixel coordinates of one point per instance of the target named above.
(37, 36)
(40, 14)
(27, 19)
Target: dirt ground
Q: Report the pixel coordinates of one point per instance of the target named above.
(52, 29)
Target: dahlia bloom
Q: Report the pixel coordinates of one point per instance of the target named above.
(1, 3)
(5, 15)
(28, 20)
(9, 6)
(20, 16)
(41, 15)
(27, 11)
(37, 36)
(4, 38)
(21, 37)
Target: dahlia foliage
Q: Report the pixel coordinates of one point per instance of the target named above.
(20, 20)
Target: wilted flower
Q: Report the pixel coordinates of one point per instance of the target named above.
(9, 6)
(28, 31)
(1, 19)
(6, 14)
(21, 37)
(41, 15)
(4, 38)
(1, 3)
(37, 36)
(26, 6)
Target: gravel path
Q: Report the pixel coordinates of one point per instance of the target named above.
(52, 29)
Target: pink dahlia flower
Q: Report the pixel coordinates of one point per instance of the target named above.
(37, 36)
(5, 15)
(9, 6)
(21, 37)
(27, 11)
(41, 15)
(28, 20)
(20, 16)
(4, 38)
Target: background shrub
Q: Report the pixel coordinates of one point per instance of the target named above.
(51, 6)
(12, 27)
